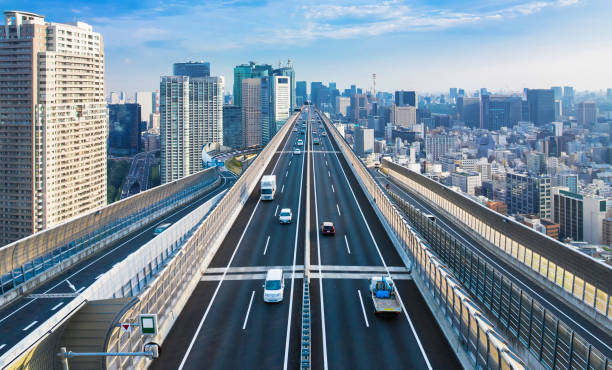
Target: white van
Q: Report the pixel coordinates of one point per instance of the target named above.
(274, 286)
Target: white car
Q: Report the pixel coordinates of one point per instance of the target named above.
(285, 216)
(274, 286)
(300, 142)
(297, 151)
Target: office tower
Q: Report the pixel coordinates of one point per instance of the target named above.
(359, 108)
(568, 180)
(586, 113)
(301, 95)
(568, 100)
(438, 145)
(466, 181)
(536, 163)
(541, 106)
(124, 129)
(364, 141)
(268, 126)
(146, 100)
(580, 218)
(527, 194)
(468, 110)
(461, 92)
(287, 71)
(557, 92)
(406, 98)
(52, 137)
(191, 69)
(281, 100)
(251, 112)
(558, 110)
(232, 126)
(403, 116)
(191, 111)
(557, 128)
(342, 105)
(453, 94)
(251, 70)
(499, 111)
(609, 93)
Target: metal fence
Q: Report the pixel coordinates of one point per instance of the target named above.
(551, 341)
(486, 347)
(29, 257)
(587, 280)
(178, 279)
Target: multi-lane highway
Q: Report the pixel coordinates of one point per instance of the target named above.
(598, 336)
(19, 318)
(227, 325)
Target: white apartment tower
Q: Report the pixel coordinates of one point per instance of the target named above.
(191, 116)
(53, 123)
(282, 100)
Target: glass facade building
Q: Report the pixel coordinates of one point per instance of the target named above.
(124, 129)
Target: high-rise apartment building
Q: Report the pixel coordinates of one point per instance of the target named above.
(53, 123)
(586, 112)
(526, 194)
(289, 72)
(191, 112)
(191, 69)
(232, 126)
(251, 112)
(541, 106)
(438, 145)
(281, 100)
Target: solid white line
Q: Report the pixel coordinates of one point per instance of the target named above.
(246, 317)
(326, 163)
(384, 264)
(2, 346)
(276, 210)
(195, 336)
(338, 208)
(365, 317)
(102, 256)
(266, 248)
(328, 174)
(29, 326)
(347, 244)
(333, 190)
(474, 248)
(283, 188)
(297, 232)
(287, 173)
(56, 306)
(314, 178)
(99, 276)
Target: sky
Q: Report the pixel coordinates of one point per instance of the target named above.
(423, 45)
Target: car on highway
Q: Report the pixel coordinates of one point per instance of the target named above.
(297, 151)
(285, 216)
(161, 228)
(315, 141)
(327, 228)
(300, 142)
(323, 133)
(295, 129)
(274, 286)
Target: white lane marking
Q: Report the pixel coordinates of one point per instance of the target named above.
(29, 326)
(266, 248)
(338, 208)
(328, 173)
(384, 263)
(365, 317)
(314, 179)
(56, 306)
(283, 188)
(297, 232)
(347, 244)
(246, 317)
(79, 290)
(104, 255)
(212, 300)
(333, 190)
(2, 346)
(276, 210)
(474, 248)
(287, 173)
(326, 163)
(99, 276)
(289, 163)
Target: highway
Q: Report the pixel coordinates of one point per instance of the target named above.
(226, 324)
(19, 318)
(595, 335)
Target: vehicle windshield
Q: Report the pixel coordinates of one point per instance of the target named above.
(273, 285)
(284, 214)
(266, 191)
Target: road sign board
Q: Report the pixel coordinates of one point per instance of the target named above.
(126, 327)
(148, 324)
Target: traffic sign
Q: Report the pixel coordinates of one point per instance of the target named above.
(148, 324)
(126, 327)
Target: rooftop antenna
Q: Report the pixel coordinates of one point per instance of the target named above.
(280, 63)
(289, 62)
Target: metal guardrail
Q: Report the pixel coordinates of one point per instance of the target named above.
(486, 347)
(587, 280)
(551, 341)
(30, 257)
(305, 339)
(169, 292)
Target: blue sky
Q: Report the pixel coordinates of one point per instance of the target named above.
(423, 45)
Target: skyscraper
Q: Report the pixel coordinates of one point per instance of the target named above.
(191, 69)
(300, 92)
(251, 112)
(586, 112)
(469, 111)
(406, 98)
(527, 194)
(288, 71)
(191, 111)
(232, 126)
(52, 133)
(359, 108)
(281, 92)
(541, 106)
(124, 129)
(364, 141)
(499, 111)
(250, 70)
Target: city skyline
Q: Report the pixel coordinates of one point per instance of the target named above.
(524, 43)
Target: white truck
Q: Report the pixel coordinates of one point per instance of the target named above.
(384, 295)
(268, 187)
